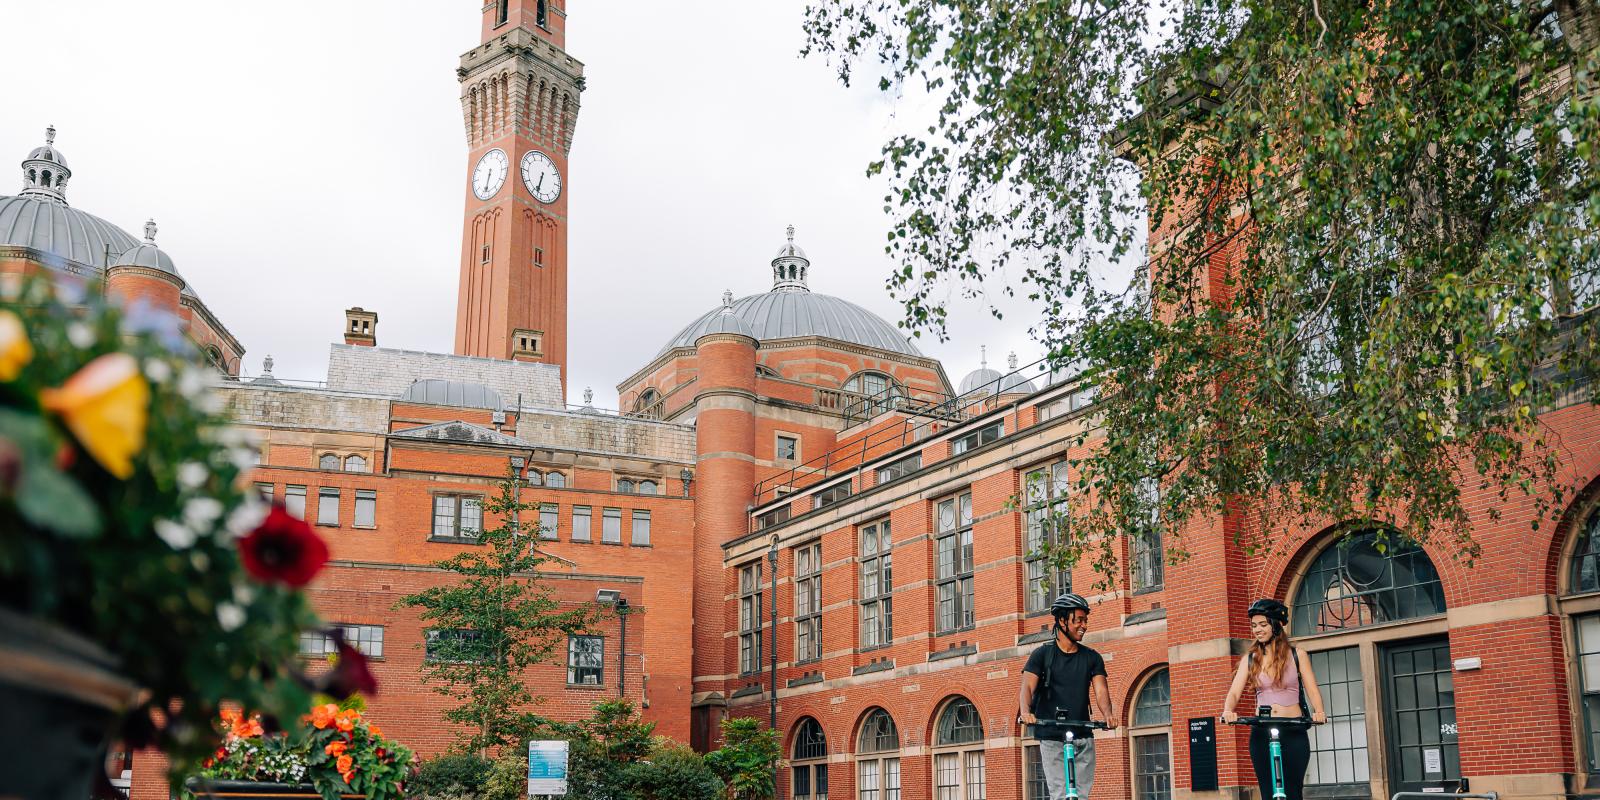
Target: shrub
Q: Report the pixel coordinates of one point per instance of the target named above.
(673, 772)
(452, 775)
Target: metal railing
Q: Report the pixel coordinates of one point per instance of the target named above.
(922, 419)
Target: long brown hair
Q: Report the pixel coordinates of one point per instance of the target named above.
(1271, 658)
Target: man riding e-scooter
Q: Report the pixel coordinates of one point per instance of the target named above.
(1055, 685)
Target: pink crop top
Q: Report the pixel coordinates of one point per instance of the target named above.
(1285, 692)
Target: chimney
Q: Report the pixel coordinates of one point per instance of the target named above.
(361, 327)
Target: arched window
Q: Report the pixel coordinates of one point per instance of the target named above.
(810, 763)
(535, 478)
(1584, 577)
(625, 486)
(355, 464)
(764, 371)
(1150, 731)
(1585, 569)
(648, 405)
(47, 177)
(880, 391)
(555, 479)
(33, 177)
(646, 487)
(958, 765)
(328, 461)
(214, 355)
(878, 758)
(1364, 578)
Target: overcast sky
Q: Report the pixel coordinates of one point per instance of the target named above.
(303, 157)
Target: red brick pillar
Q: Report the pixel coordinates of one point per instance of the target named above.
(129, 285)
(724, 487)
(149, 776)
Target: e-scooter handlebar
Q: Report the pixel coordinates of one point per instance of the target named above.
(1279, 722)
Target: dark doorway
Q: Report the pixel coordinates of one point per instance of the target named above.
(1420, 715)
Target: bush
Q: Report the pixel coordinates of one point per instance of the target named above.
(746, 759)
(673, 772)
(452, 775)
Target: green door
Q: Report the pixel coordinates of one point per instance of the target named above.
(1420, 712)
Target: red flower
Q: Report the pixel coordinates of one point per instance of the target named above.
(350, 675)
(283, 549)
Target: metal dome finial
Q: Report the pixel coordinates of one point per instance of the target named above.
(789, 266)
(266, 365)
(791, 234)
(1011, 361)
(727, 301)
(50, 135)
(150, 231)
(983, 356)
(588, 396)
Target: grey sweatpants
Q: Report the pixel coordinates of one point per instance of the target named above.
(1054, 762)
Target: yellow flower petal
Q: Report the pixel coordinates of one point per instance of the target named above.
(15, 349)
(106, 406)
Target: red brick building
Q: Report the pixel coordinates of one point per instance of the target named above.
(793, 440)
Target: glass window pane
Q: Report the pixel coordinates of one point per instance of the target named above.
(366, 508)
(611, 526)
(580, 523)
(328, 507)
(549, 521)
(471, 516)
(641, 528)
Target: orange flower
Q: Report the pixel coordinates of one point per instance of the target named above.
(346, 721)
(345, 765)
(375, 731)
(335, 747)
(322, 716)
(15, 349)
(106, 405)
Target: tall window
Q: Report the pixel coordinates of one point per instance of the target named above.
(1034, 785)
(501, 11)
(586, 660)
(877, 584)
(328, 461)
(808, 602)
(457, 516)
(958, 769)
(611, 526)
(1339, 748)
(953, 565)
(581, 521)
(878, 758)
(1146, 552)
(1354, 583)
(542, 15)
(366, 508)
(1151, 732)
(750, 608)
(368, 639)
(977, 439)
(328, 506)
(1586, 558)
(1045, 495)
(641, 528)
(810, 763)
(294, 501)
(355, 464)
(549, 521)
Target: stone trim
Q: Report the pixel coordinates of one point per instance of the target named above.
(1144, 616)
(876, 666)
(953, 652)
(805, 680)
(748, 691)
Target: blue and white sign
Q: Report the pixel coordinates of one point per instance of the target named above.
(547, 767)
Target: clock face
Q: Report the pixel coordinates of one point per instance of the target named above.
(541, 177)
(490, 174)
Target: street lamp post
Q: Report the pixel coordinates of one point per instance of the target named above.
(772, 711)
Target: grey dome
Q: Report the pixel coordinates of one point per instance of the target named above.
(725, 321)
(147, 255)
(47, 153)
(457, 394)
(60, 230)
(980, 378)
(783, 315)
(1016, 383)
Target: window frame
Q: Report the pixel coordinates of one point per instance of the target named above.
(778, 446)
(837, 493)
(883, 760)
(550, 522)
(459, 532)
(1045, 496)
(324, 465)
(289, 502)
(961, 752)
(897, 469)
(431, 635)
(875, 576)
(370, 498)
(988, 434)
(1147, 564)
(1155, 693)
(751, 611)
(807, 561)
(324, 494)
(953, 579)
(357, 635)
(576, 671)
(1306, 605)
(640, 515)
(610, 525)
(585, 513)
(808, 733)
(362, 466)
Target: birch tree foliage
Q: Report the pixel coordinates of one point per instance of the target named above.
(1366, 231)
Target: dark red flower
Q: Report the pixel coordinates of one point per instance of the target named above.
(350, 675)
(283, 549)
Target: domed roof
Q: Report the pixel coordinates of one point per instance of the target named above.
(47, 153)
(991, 381)
(458, 394)
(980, 378)
(792, 310)
(147, 254)
(60, 230)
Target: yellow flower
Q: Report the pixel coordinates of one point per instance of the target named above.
(15, 349)
(106, 406)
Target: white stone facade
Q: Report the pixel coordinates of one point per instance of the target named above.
(381, 370)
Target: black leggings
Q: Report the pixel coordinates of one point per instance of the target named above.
(1296, 757)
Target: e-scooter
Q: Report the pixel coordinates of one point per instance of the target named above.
(1275, 746)
(1069, 749)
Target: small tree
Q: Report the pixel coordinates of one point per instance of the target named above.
(746, 759)
(674, 772)
(491, 625)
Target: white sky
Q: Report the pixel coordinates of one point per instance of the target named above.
(303, 157)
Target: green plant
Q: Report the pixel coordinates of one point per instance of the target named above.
(496, 621)
(120, 472)
(673, 772)
(335, 750)
(450, 774)
(1374, 252)
(747, 758)
(602, 748)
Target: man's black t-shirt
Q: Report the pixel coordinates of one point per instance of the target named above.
(1070, 676)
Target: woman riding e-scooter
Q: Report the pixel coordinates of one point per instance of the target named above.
(1282, 678)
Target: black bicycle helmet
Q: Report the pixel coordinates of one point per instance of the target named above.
(1068, 603)
(1271, 609)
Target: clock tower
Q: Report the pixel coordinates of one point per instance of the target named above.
(519, 99)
